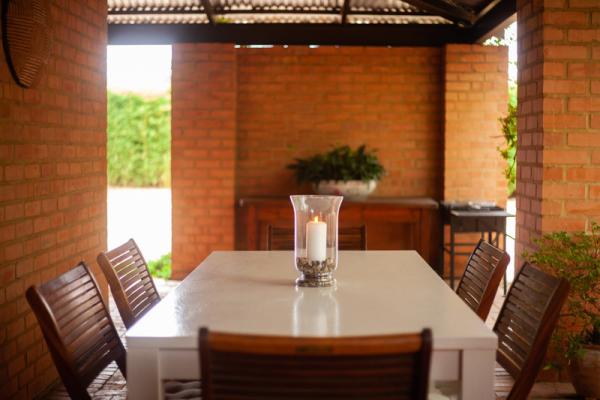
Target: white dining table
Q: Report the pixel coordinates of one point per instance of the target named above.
(253, 292)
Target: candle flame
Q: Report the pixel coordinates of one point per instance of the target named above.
(316, 219)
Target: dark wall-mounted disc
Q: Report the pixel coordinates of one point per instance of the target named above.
(26, 38)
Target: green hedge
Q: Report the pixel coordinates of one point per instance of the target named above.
(139, 140)
(161, 268)
(509, 149)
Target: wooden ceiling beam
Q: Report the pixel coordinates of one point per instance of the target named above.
(446, 9)
(290, 34)
(210, 12)
(345, 11)
(490, 18)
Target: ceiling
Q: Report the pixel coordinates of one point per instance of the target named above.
(343, 22)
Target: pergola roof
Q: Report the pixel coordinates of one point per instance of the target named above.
(374, 22)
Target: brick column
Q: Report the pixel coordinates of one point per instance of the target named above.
(203, 152)
(475, 97)
(52, 184)
(559, 117)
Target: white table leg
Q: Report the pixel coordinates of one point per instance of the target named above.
(477, 373)
(143, 381)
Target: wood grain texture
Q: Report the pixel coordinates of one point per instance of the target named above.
(349, 238)
(392, 224)
(481, 279)
(276, 367)
(525, 324)
(130, 282)
(77, 327)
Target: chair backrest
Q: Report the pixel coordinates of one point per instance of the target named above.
(525, 324)
(130, 282)
(481, 279)
(277, 367)
(349, 238)
(77, 327)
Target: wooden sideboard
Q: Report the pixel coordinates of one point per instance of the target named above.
(392, 223)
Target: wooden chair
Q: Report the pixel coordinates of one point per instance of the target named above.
(481, 279)
(77, 328)
(349, 238)
(130, 282)
(525, 324)
(275, 367)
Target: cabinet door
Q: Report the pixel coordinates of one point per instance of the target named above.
(392, 228)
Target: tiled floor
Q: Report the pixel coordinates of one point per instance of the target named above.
(110, 384)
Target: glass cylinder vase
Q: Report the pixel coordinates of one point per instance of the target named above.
(316, 239)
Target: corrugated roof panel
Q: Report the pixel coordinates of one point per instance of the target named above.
(158, 19)
(266, 18)
(153, 5)
(269, 11)
(317, 6)
(397, 19)
(381, 6)
(281, 5)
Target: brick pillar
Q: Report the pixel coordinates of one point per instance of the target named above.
(529, 125)
(475, 97)
(203, 152)
(559, 117)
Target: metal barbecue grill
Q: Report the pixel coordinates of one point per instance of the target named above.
(470, 217)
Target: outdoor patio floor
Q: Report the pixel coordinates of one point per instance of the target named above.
(111, 385)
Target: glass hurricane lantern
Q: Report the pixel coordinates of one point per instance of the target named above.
(316, 238)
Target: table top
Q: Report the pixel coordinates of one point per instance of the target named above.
(253, 292)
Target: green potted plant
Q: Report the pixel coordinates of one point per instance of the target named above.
(576, 257)
(341, 171)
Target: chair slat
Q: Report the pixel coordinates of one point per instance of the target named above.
(483, 274)
(525, 324)
(131, 269)
(132, 286)
(266, 367)
(68, 310)
(77, 327)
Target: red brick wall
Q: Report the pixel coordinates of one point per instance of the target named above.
(52, 184)
(297, 101)
(203, 152)
(559, 121)
(571, 115)
(475, 96)
(267, 106)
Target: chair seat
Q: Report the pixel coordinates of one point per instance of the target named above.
(176, 390)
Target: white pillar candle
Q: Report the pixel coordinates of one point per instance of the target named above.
(316, 240)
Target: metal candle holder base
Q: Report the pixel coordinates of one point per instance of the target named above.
(326, 280)
(315, 273)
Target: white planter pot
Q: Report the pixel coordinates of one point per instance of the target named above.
(352, 190)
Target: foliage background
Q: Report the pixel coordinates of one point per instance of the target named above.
(509, 122)
(139, 140)
(342, 163)
(509, 132)
(161, 268)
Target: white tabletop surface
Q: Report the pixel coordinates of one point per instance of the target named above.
(253, 292)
